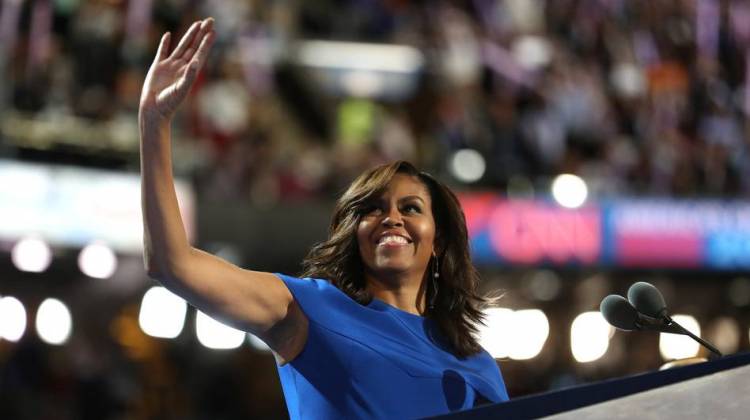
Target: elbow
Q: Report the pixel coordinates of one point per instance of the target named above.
(154, 273)
(153, 269)
(163, 269)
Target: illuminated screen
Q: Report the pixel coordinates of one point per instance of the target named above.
(72, 206)
(627, 233)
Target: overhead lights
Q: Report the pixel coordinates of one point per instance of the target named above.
(569, 191)
(97, 260)
(162, 313)
(53, 322)
(31, 254)
(217, 335)
(12, 319)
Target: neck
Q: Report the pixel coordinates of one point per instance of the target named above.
(403, 293)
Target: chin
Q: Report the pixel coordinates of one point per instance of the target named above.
(390, 269)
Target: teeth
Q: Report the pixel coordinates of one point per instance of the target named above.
(393, 239)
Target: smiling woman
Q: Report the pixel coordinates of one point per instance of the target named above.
(382, 327)
(395, 317)
(396, 239)
(360, 259)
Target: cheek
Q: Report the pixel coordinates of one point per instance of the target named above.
(363, 234)
(427, 236)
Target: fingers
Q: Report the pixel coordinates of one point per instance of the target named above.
(196, 62)
(205, 45)
(161, 52)
(205, 29)
(186, 40)
(186, 81)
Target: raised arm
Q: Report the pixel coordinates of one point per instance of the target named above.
(253, 301)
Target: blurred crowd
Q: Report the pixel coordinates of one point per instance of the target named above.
(639, 97)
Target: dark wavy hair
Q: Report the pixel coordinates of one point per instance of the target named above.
(457, 308)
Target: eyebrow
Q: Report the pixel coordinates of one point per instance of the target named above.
(402, 199)
(411, 197)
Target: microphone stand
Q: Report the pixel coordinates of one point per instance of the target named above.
(668, 325)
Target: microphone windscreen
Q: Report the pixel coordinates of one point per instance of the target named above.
(647, 299)
(619, 312)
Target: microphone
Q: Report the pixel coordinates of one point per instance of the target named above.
(623, 316)
(647, 299)
(645, 310)
(619, 313)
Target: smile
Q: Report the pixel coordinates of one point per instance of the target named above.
(393, 240)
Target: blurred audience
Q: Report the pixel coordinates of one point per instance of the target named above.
(638, 97)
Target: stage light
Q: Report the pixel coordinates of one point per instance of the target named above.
(673, 346)
(387, 58)
(519, 335)
(53, 322)
(31, 255)
(97, 260)
(257, 343)
(589, 336)
(494, 336)
(530, 329)
(162, 313)
(569, 191)
(216, 335)
(12, 319)
(467, 165)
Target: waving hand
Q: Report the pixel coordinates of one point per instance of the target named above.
(172, 74)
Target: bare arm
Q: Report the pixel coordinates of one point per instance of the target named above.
(253, 301)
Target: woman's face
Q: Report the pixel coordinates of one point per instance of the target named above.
(397, 231)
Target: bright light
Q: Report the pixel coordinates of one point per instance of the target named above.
(32, 255)
(519, 335)
(257, 343)
(673, 346)
(530, 329)
(97, 260)
(467, 165)
(162, 313)
(360, 56)
(12, 319)
(215, 335)
(494, 336)
(53, 322)
(589, 336)
(569, 191)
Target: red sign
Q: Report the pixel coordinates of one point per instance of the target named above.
(528, 232)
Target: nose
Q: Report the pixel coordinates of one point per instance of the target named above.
(392, 218)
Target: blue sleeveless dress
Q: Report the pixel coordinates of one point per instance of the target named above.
(377, 362)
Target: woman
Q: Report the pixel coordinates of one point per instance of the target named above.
(387, 334)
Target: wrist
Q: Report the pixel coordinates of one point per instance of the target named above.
(153, 120)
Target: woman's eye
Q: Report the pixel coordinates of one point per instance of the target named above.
(413, 208)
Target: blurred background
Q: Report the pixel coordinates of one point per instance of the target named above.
(593, 143)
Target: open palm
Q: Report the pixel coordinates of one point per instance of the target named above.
(171, 75)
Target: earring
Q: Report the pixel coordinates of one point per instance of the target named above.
(435, 276)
